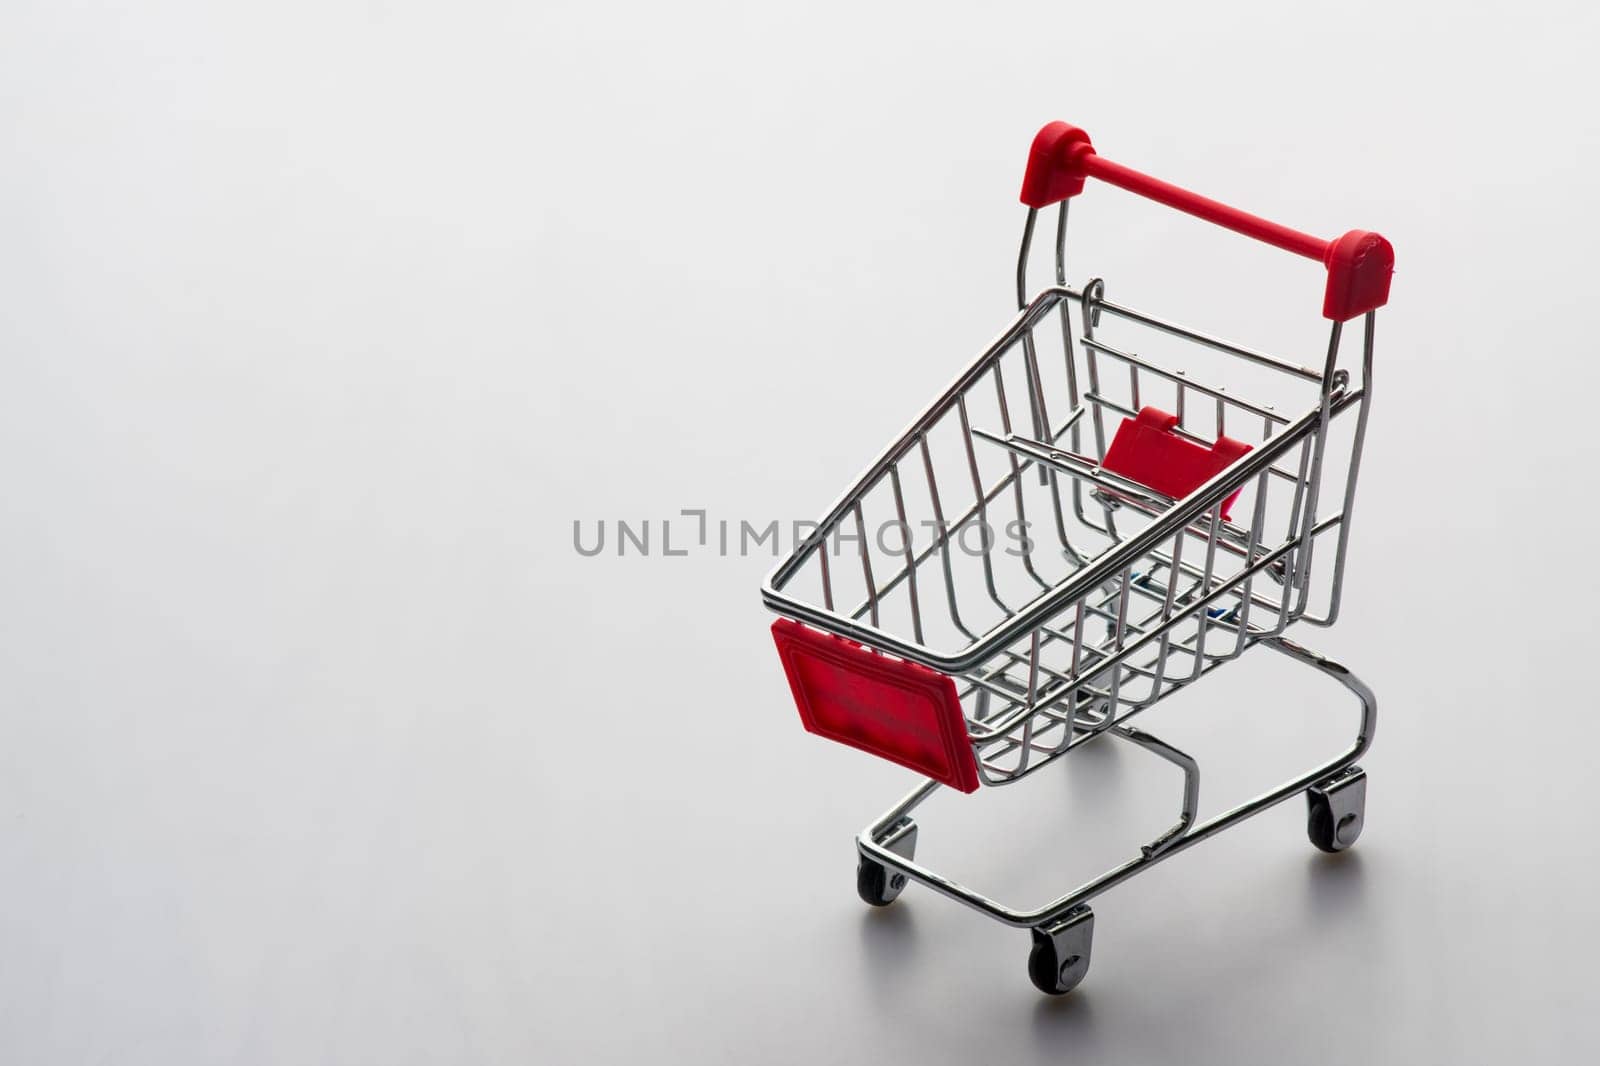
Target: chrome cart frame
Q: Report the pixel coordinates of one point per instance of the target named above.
(1143, 583)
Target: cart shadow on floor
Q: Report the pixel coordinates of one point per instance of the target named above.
(1064, 1021)
(889, 937)
(1335, 894)
(1335, 883)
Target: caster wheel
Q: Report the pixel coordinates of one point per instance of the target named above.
(1060, 956)
(1319, 825)
(1336, 811)
(878, 885)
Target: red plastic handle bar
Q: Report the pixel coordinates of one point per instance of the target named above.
(1359, 264)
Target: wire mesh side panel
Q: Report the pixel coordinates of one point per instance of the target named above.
(997, 498)
(954, 533)
(1206, 586)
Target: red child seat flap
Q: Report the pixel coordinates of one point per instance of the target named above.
(1148, 450)
(890, 708)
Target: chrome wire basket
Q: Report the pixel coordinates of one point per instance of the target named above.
(1104, 507)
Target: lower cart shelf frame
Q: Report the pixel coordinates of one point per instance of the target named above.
(1063, 928)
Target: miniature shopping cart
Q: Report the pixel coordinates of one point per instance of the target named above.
(1101, 510)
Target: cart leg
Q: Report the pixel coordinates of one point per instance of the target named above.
(1191, 783)
(1337, 809)
(1060, 956)
(876, 883)
(1062, 929)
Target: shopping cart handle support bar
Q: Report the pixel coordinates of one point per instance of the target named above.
(1359, 264)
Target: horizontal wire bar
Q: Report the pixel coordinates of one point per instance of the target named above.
(1182, 379)
(1128, 314)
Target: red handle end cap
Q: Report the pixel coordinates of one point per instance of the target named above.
(1360, 265)
(1055, 165)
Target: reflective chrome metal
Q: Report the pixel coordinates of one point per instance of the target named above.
(1058, 908)
(1127, 595)
(901, 840)
(1345, 798)
(1066, 945)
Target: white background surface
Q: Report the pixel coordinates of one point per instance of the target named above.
(323, 322)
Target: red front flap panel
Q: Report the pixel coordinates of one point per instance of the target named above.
(1147, 450)
(890, 708)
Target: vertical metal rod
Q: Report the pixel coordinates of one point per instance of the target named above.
(910, 557)
(944, 538)
(1302, 580)
(1121, 634)
(1022, 258)
(1093, 291)
(1067, 349)
(1288, 584)
(1337, 592)
(1016, 482)
(1257, 520)
(827, 582)
(1043, 431)
(1033, 692)
(866, 564)
(1174, 573)
(1296, 516)
(1035, 400)
(1061, 244)
(982, 506)
(1077, 641)
(1076, 669)
(1041, 420)
(1202, 615)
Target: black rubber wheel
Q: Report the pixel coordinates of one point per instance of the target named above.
(1044, 968)
(1320, 827)
(872, 883)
